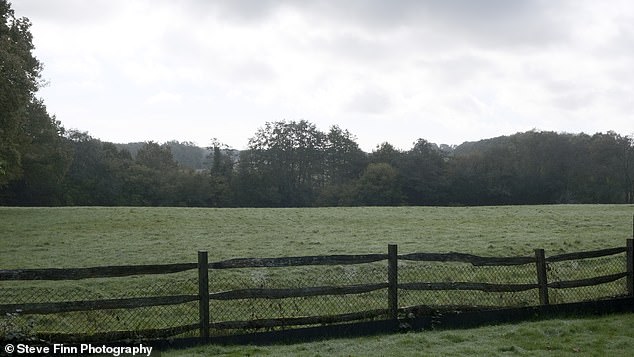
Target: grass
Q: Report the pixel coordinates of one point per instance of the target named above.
(599, 336)
(96, 236)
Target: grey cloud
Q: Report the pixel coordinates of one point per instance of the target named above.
(369, 101)
(253, 71)
(494, 23)
(457, 69)
(66, 11)
(484, 22)
(234, 10)
(573, 101)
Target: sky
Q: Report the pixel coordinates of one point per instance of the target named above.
(388, 71)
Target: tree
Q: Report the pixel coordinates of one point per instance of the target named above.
(289, 157)
(100, 173)
(19, 80)
(221, 174)
(611, 171)
(344, 160)
(386, 153)
(187, 154)
(45, 158)
(379, 186)
(422, 171)
(157, 157)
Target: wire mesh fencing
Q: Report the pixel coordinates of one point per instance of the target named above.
(270, 294)
(588, 271)
(464, 285)
(285, 297)
(65, 309)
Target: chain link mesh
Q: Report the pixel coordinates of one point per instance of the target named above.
(95, 322)
(586, 269)
(452, 272)
(295, 278)
(18, 325)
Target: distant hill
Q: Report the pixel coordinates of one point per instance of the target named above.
(186, 154)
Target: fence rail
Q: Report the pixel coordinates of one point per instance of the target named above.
(94, 272)
(211, 292)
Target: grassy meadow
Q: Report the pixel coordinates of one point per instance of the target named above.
(99, 236)
(96, 236)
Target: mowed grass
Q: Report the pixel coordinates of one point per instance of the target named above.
(96, 236)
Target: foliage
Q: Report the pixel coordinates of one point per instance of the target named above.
(292, 164)
(379, 186)
(289, 157)
(45, 159)
(19, 80)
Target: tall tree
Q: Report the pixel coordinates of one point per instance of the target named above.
(344, 160)
(422, 174)
(19, 80)
(221, 174)
(288, 155)
(45, 158)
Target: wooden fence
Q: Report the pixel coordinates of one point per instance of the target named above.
(391, 312)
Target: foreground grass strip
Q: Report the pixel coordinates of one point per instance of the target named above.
(118, 335)
(611, 335)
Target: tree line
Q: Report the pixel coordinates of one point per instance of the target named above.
(286, 163)
(294, 164)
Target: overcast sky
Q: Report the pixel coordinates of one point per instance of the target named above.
(447, 71)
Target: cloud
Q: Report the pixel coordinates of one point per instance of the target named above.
(369, 101)
(390, 71)
(165, 98)
(76, 12)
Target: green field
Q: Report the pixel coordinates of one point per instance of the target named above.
(79, 237)
(96, 236)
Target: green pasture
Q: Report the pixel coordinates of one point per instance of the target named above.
(100, 236)
(96, 236)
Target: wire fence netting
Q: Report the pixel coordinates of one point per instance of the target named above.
(292, 280)
(456, 274)
(421, 284)
(142, 320)
(583, 269)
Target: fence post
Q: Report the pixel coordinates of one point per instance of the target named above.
(542, 279)
(630, 267)
(203, 295)
(392, 278)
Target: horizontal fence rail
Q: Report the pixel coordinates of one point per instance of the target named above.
(404, 286)
(297, 261)
(296, 292)
(68, 306)
(467, 258)
(95, 272)
(586, 255)
(468, 286)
